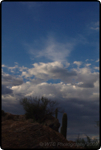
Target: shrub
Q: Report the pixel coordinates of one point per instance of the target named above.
(36, 109)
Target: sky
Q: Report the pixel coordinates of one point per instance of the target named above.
(51, 49)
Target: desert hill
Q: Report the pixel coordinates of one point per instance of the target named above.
(17, 133)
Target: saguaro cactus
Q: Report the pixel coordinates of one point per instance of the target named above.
(56, 112)
(63, 130)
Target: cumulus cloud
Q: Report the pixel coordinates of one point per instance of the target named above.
(11, 80)
(78, 63)
(85, 83)
(73, 83)
(57, 91)
(77, 93)
(97, 68)
(12, 69)
(86, 76)
(53, 70)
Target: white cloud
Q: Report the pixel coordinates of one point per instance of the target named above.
(4, 65)
(12, 68)
(86, 78)
(85, 82)
(76, 83)
(46, 71)
(97, 60)
(84, 70)
(96, 84)
(67, 65)
(59, 90)
(88, 65)
(78, 63)
(22, 68)
(97, 68)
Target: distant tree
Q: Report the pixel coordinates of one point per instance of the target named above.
(36, 109)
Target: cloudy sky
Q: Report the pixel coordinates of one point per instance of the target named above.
(51, 49)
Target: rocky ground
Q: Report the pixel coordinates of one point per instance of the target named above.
(17, 133)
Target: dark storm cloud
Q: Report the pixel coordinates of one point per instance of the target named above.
(62, 72)
(81, 114)
(17, 81)
(86, 85)
(11, 80)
